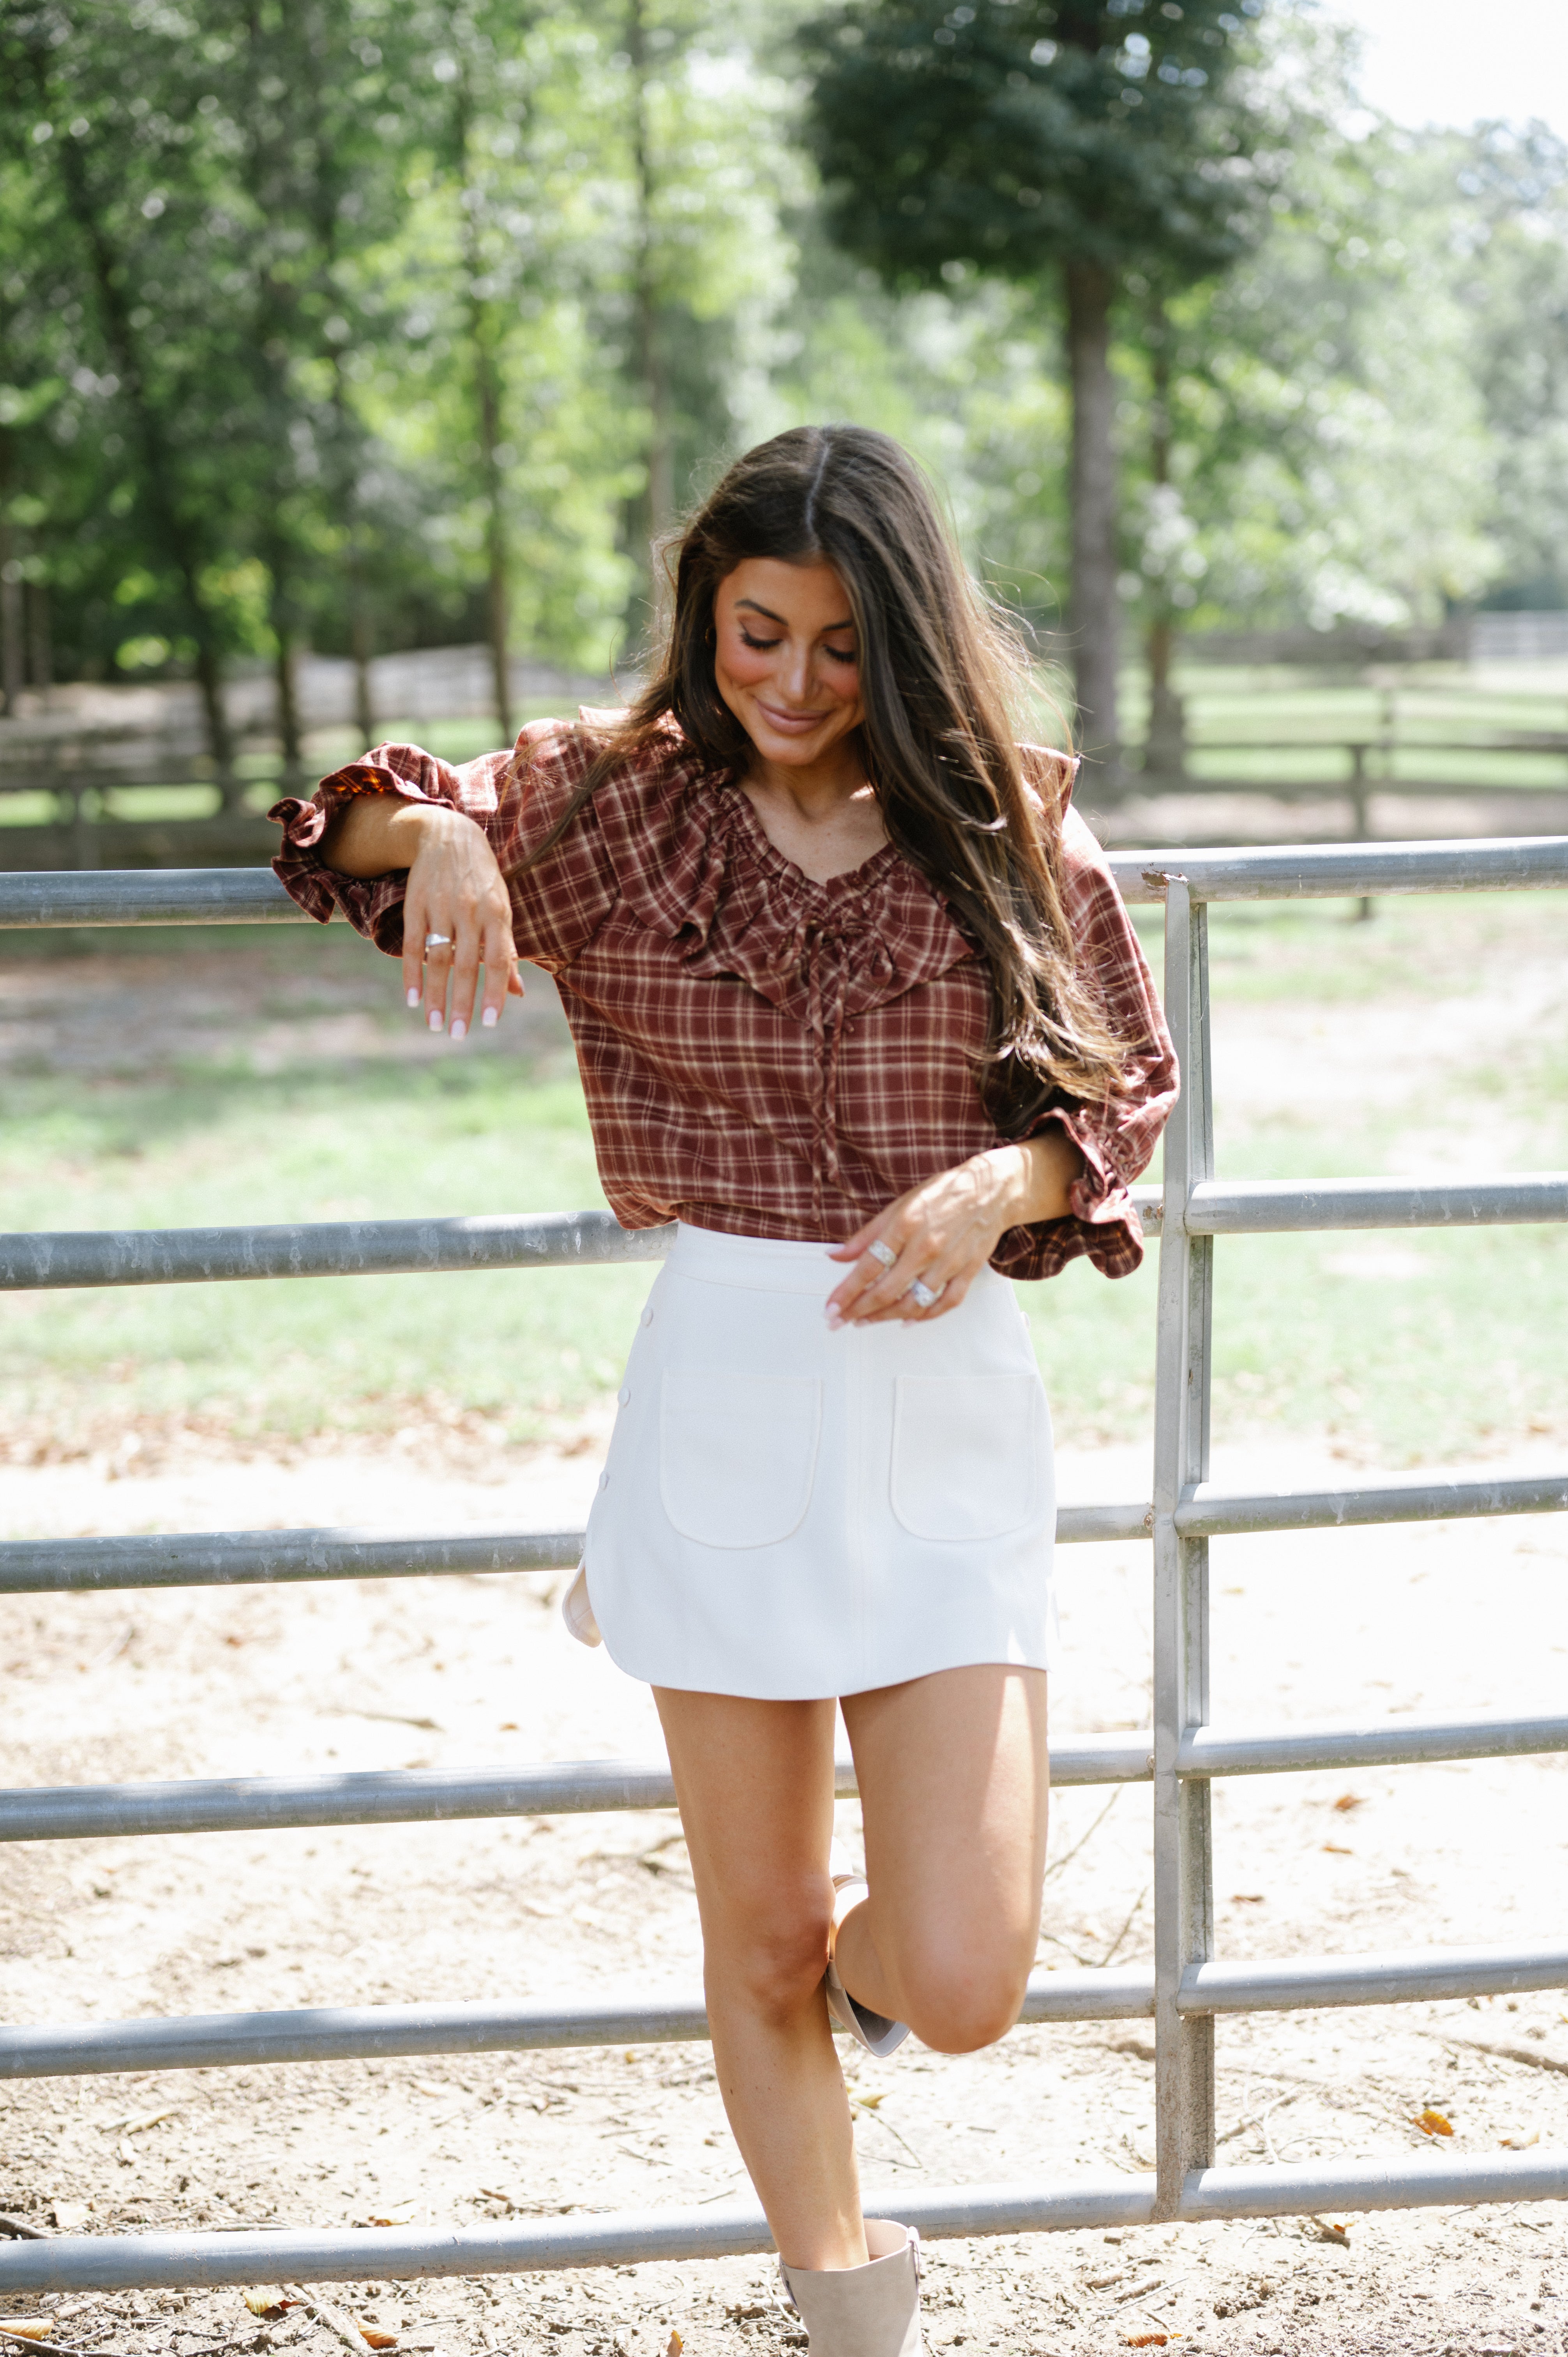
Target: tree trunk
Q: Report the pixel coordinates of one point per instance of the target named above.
(658, 498)
(483, 336)
(286, 681)
(497, 609)
(12, 660)
(1164, 749)
(1093, 613)
(360, 647)
(40, 639)
(176, 540)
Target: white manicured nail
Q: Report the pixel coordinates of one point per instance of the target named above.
(436, 1018)
(489, 1018)
(460, 1028)
(414, 996)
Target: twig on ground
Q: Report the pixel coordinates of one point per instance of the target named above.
(1251, 2119)
(388, 1718)
(1056, 1864)
(115, 1647)
(1504, 2054)
(20, 2228)
(1134, 1911)
(337, 2323)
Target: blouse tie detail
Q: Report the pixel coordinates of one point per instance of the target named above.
(832, 960)
(822, 953)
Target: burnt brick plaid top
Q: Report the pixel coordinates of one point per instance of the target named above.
(762, 1054)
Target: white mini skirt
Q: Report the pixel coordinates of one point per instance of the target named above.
(790, 1514)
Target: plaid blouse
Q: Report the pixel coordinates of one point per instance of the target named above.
(762, 1054)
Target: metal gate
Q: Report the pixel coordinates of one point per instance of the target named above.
(1188, 1986)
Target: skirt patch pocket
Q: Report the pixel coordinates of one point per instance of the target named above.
(737, 1455)
(965, 1454)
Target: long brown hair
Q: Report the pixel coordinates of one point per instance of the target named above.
(940, 677)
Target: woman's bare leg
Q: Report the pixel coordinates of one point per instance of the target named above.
(755, 1782)
(954, 1784)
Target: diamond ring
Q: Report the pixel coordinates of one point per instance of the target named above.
(922, 1296)
(437, 941)
(882, 1252)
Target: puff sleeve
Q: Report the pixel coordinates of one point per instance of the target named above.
(515, 798)
(1117, 1136)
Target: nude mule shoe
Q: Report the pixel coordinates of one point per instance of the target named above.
(870, 2311)
(875, 2032)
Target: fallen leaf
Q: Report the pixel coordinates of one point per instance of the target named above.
(869, 2102)
(1521, 2141)
(402, 2214)
(674, 2345)
(1348, 1801)
(266, 2300)
(429, 2087)
(508, 1727)
(377, 2339)
(1432, 2122)
(70, 2217)
(1147, 2340)
(1332, 2230)
(1247, 1898)
(1337, 1849)
(148, 2120)
(28, 2331)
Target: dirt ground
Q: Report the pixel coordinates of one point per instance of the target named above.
(403, 1673)
(1323, 1627)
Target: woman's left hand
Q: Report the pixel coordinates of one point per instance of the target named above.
(942, 1234)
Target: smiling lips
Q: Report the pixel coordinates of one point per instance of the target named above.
(791, 724)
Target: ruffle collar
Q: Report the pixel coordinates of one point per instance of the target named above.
(693, 864)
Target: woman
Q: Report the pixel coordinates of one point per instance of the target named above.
(856, 1002)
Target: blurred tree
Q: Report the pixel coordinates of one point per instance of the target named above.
(123, 177)
(1326, 456)
(305, 107)
(1507, 201)
(1044, 142)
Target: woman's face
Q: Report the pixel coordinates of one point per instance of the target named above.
(785, 658)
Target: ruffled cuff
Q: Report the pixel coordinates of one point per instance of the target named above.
(373, 904)
(1102, 1226)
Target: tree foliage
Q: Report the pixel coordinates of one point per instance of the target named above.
(1017, 135)
(324, 322)
(1049, 141)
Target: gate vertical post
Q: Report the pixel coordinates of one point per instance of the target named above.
(1183, 1894)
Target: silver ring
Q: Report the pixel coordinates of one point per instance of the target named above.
(437, 941)
(922, 1296)
(882, 1252)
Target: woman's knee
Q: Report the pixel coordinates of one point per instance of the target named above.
(959, 1999)
(769, 1958)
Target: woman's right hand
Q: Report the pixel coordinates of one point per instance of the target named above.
(456, 891)
(455, 887)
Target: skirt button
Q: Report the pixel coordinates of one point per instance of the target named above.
(623, 1397)
(647, 1317)
(603, 1481)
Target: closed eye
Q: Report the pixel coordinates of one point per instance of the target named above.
(766, 646)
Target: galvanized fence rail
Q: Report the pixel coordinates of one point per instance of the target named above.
(1188, 1987)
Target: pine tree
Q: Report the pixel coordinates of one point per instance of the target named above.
(1064, 144)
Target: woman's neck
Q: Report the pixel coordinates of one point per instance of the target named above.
(822, 815)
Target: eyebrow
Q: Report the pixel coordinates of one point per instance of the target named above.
(751, 605)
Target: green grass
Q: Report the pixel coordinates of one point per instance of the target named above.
(1465, 1347)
